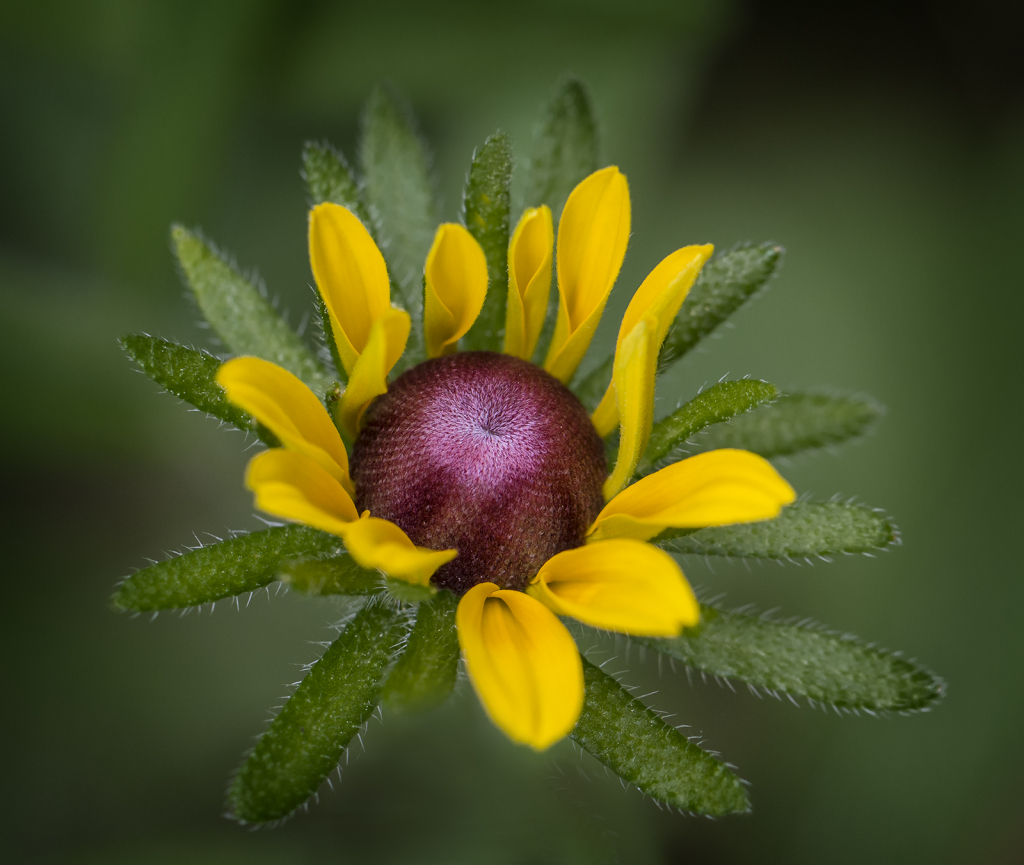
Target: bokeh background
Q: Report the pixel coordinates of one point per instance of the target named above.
(881, 143)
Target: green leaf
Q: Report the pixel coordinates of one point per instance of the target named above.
(329, 178)
(485, 204)
(590, 388)
(801, 660)
(192, 376)
(718, 403)
(303, 744)
(803, 530)
(399, 196)
(239, 313)
(636, 744)
(724, 285)
(796, 422)
(425, 673)
(240, 564)
(333, 575)
(565, 147)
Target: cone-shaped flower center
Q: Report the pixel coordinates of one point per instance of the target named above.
(486, 454)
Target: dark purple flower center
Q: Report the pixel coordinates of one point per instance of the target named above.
(486, 454)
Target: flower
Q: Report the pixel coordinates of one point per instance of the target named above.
(481, 473)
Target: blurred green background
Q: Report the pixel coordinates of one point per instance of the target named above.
(882, 144)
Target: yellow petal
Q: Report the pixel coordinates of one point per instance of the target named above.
(293, 486)
(636, 363)
(622, 585)
(376, 543)
(456, 284)
(716, 488)
(369, 376)
(529, 281)
(592, 237)
(523, 664)
(289, 409)
(350, 272)
(660, 296)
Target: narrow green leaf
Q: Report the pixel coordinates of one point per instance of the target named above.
(803, 530)
(303, 744)
(333, 575)
(591, 387)
(231, 567)
(801, 660)
(565, 147)
(239, 313)
(329, 178)
(485, 204)
(192, 376)
(636, 744)
(724, 285)
(425, 673)
(718, 403)
(399, 197)
(794, 423)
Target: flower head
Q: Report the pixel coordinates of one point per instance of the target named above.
(482, 474)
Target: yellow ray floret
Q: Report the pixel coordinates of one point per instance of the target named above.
(717, 488)
(376, 543)
(659, 296)
(295, 487)
(592, 237)
(369, 376)
(622, 585)
(351, 276)
(289, 409)
(455, 278)
(529, 281)
(636, 363)
(523, 664)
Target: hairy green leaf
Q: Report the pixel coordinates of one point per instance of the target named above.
(794, 423)
(636, 744)
(724, 285)
(803, 530)
(399, 197)
(485, 204)
(332, 575)
(329, 178)
(239, 313)
(565, 147)
(241, 564)
(718, 403)
(425, 673)
(801, 660)
(192, 376)
(303, 743)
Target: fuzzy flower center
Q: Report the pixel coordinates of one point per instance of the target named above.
(486, 454)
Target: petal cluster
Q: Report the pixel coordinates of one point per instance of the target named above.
(520, 657)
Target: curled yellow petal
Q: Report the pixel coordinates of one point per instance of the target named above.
(376, 543)
(522, 662)
(716, 488)
(529, 281)
(289, 409)
(456, 284)
(592, 237)
(295, 487)
(352, 277)
(622, 585)
(659, 296)
(636, 363)
(369, 376)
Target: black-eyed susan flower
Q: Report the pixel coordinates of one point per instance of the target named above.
(447, 468)
(482, 474)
